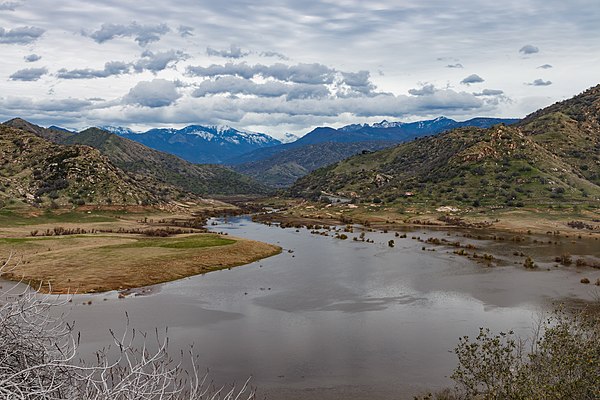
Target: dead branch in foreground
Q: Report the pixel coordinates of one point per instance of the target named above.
(38, 358)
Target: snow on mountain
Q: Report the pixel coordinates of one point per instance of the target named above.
(289, 138)
(199, 143)
(119, 130)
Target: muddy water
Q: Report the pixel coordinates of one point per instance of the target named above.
(331, 318)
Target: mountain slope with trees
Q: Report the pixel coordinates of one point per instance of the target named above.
(548, 158)
(38, 172)
(282, 165)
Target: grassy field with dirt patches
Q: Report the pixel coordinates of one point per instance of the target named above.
(107, 256)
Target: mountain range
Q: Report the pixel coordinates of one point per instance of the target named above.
(281, 165)
(199, 144)
(550, 157)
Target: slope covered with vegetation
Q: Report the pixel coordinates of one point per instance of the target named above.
(36, 171)
(550, 157)
(142, 162)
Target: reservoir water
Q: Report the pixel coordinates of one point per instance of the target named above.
(331, 318)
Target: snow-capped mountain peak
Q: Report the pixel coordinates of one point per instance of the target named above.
(119, 130)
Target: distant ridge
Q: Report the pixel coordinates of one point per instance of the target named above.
(281, 165)
(199, 144)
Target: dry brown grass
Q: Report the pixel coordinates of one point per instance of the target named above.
(104, 261)
(86, 264)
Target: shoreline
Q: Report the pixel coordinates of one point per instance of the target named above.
(509, 222)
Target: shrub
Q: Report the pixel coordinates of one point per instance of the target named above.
(563, 362)
(529, 264)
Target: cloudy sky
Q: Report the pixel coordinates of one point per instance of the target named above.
(279, 66)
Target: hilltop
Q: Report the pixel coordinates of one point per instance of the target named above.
(551, 157)
(38, 172)
(142, 162)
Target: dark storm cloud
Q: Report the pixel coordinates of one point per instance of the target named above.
(32, 58)
(473, 78)
(154, 94)
(143, 34)
(539, 82)
(110, 68)
(21, 35)
(457, 65)
(545, 66)
(28, 74)
(529, 49)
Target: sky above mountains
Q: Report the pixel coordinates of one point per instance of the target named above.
(288, 66)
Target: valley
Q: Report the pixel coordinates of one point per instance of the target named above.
(496, 223)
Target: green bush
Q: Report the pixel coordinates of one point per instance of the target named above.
(563, 362)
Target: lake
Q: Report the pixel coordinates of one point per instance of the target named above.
(331, 318)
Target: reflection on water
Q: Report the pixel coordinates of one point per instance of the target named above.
(338, 318)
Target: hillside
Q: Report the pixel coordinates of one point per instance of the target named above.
(282, 165)
(200, 144)
(140, 160)
(283, 168)
(550, 157)
(52, 134)
(38, 172)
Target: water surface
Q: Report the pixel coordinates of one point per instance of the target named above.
(331, 318)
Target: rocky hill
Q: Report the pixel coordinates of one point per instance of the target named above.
(142, 162)
(35, 171)
(548, 158)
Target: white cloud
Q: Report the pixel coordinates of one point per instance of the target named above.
(159, 61)
(110, 68)
(143, 34)
(153, 94)
(32, 58)
(233, 52)
(318, 63)
(29, 74)
(529, 49)
(473, 78)
(539, 82)
(21, 35)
